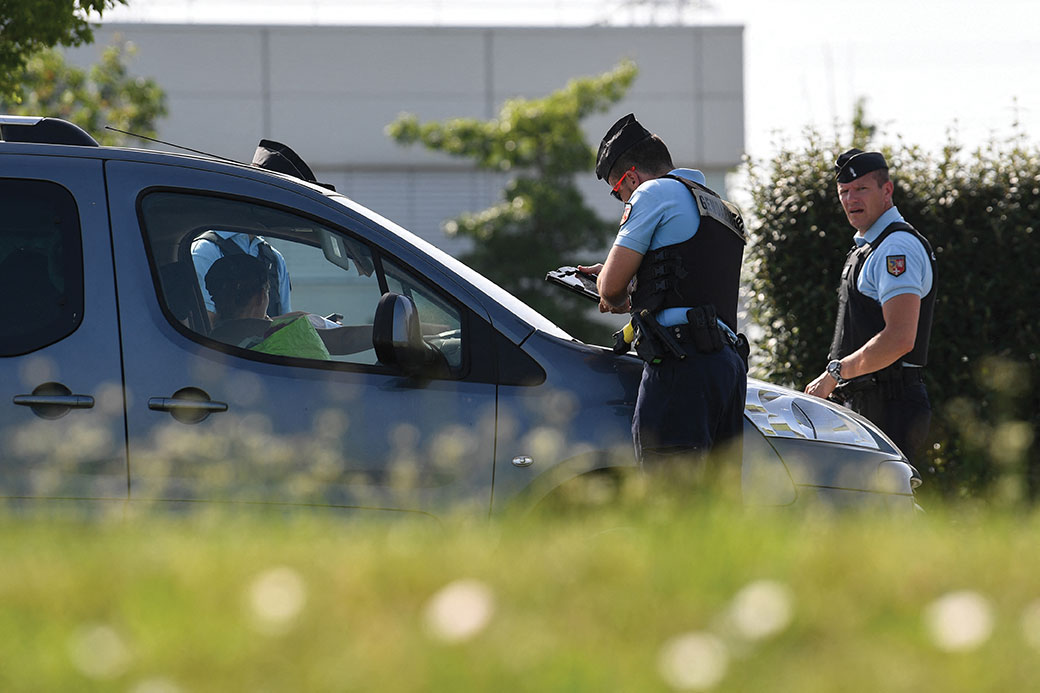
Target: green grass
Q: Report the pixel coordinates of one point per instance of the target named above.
(735, 600)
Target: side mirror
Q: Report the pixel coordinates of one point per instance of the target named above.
(397, 339)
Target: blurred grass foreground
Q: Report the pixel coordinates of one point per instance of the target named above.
(652, 597)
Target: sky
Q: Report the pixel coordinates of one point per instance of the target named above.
(927, 68)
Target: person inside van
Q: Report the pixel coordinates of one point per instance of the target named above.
(239, 285)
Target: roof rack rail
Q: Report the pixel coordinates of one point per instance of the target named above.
(41, 130)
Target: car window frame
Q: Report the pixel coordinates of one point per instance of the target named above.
(377, 251)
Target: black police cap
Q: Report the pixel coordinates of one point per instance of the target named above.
(621, 137)
(856, 162)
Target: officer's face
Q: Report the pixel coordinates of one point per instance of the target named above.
(623, 187)
(864, 200)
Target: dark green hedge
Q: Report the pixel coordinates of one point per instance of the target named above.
(980, 210)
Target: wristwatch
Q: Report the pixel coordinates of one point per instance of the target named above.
(834, 370)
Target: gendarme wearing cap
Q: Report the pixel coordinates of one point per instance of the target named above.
(685, 264)
(622, 136)
(886, 302)
(856, 162)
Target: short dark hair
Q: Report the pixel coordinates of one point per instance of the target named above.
(233, 281)
(650, 156)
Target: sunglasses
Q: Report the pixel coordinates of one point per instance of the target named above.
(617, 186)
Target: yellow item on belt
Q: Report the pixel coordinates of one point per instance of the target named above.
(623, 338)
(628, 332)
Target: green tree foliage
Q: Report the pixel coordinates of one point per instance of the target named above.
(29, 26)
(980, 210)
(104, 94)
(543, 221)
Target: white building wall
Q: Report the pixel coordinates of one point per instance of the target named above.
(330, 91)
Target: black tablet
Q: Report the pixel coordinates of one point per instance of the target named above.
(578, 282)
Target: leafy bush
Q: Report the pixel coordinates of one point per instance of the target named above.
(980, 211)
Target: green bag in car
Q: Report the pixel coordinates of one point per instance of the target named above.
(293, 336)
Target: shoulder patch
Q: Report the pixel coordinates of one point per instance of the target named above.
(896, 264)
(628, 210)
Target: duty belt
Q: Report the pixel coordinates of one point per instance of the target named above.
(895, 375)
(703, 334)
(684, 333)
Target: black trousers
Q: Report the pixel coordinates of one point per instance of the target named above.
(687, 408)
(903, 411)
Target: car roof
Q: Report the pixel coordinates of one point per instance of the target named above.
(56, 137)
(71, 144)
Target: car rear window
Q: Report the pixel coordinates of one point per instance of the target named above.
(41, 265)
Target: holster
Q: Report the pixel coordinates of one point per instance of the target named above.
(843, 394)
(704, 329)
(653, 342)
(889, 383)
(743, 348)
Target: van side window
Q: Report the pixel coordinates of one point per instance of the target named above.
(41, 265)
(227, 270)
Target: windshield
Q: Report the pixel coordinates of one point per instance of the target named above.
(485, 285)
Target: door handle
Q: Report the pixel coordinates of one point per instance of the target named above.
(171, 404)
(188, 405)
(53, 401)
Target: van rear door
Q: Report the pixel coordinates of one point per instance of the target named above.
(62, 427)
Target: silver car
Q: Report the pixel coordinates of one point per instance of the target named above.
(115, 388)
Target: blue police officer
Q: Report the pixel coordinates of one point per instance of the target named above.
(213, 245)
(683, 246)
(886, 300)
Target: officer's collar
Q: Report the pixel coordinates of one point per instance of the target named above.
(887, 217)
(689, 174)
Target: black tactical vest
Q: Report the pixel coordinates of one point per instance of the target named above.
(265, 253)
(699, 271)
(861, 317)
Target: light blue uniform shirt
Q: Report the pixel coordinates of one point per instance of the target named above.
(910, 269)
(900, 265)
(204, 253)
(662, 212)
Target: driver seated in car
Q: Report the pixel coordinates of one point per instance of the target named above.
(239, 287)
